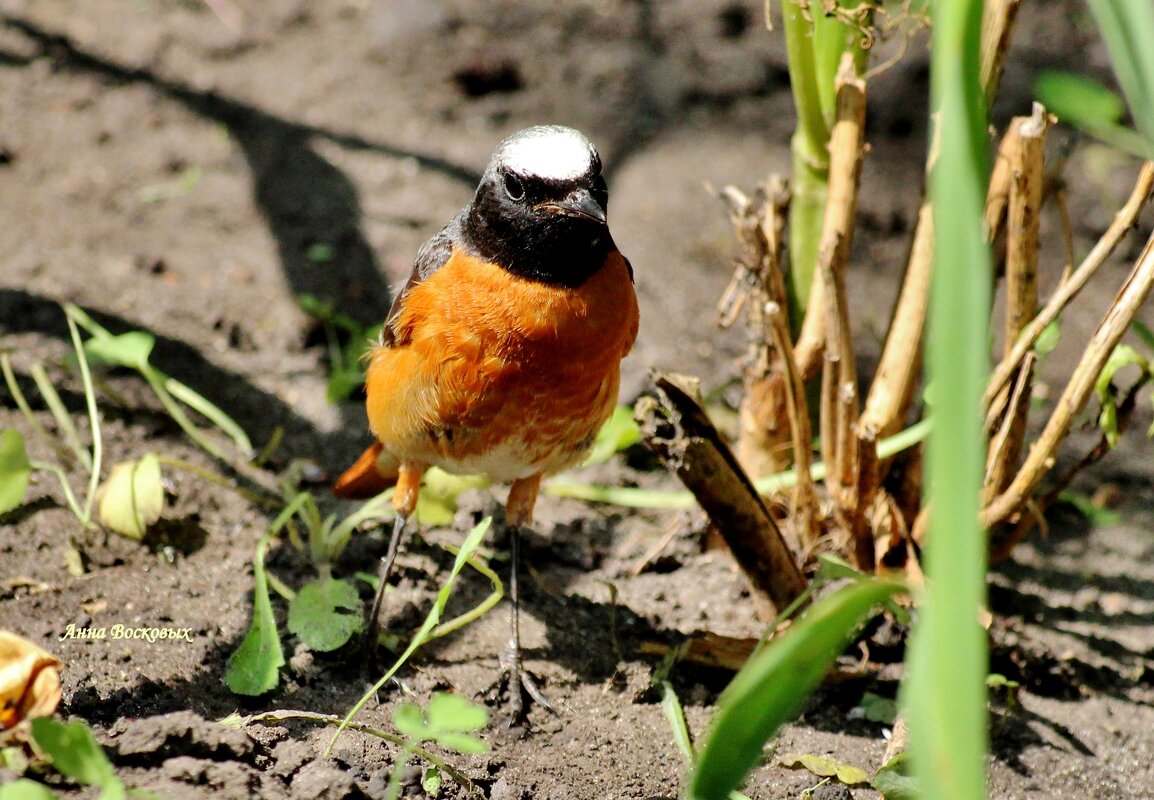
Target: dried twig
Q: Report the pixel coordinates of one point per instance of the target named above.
(892, 389)
(839, 410)
(1023, 152)
(763, 441)
(1123, 221)
(679, 431)
(998, 18)
(1114, 324)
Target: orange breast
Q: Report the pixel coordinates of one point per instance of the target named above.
(500, 375)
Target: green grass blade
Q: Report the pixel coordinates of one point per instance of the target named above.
(26, 410)
(59, 413)
(468, 548)
(1127, 27)
(945, 697)
(93, 416)
(675, 715)
(212, 413)
(773, 686)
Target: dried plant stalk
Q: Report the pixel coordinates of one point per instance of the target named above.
(678, 430)
(1122, 223)
(1026, 138)
(1109, 332)
(892, 389)
(805, 499)
(763, 444)
(839, 404)
(998, 18)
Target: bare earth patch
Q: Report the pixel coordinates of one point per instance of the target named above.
(176, 176)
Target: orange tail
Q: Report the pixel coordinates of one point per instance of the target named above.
(371, 475)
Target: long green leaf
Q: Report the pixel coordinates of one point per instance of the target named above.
(76, 753)
(773, 686)
(945, 697)
(255, 666)
(1127, 27)
(14, 469)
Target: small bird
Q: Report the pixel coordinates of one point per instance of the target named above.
(501, 354)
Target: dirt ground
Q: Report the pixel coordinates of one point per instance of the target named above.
(178, 176)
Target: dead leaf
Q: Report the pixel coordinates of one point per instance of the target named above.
(29, 681)
(825, 767)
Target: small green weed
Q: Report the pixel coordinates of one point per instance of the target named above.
(346, 370)
(71, 750)
(449, 721)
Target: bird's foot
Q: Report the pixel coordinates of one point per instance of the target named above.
(519, 684)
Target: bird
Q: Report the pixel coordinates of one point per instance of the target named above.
(501, 355)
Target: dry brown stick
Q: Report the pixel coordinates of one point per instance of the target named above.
(1005, 445)
(678, 430)
(811, 339)
(1123, 221)
(892, 389)
(839, 412)
(1109, 332)
(1022, 220)
(998, 192)
(998, 18)
(1067, 234)
(893, 384)
(997, 203)
(805, 500)
(765, 430)
(846, 156)
(1001, 547)
(1027, 137)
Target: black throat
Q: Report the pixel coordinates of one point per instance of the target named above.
(548, 248)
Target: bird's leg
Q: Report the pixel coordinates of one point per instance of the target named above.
(372, 629)
(518, 513)
(404, 503)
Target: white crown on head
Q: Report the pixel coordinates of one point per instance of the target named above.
(552, 152)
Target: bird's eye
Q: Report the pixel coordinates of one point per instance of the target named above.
(514, 188)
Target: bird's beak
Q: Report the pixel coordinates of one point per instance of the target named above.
(579, 204)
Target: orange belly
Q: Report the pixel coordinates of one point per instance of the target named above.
(498, 375)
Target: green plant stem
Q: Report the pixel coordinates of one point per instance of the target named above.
(393, 790)
(461, 620)
(630, 497)
(815, 42)
(810, 158)
(156, 381)
(26, 409)
(468, 548)
(256, 498)
(280, 587)
(93, 419)
(212, 413)
(380, 507)
(69, 496)
(276, 717)
(61, 415)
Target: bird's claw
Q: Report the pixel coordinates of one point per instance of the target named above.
(519, 683)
